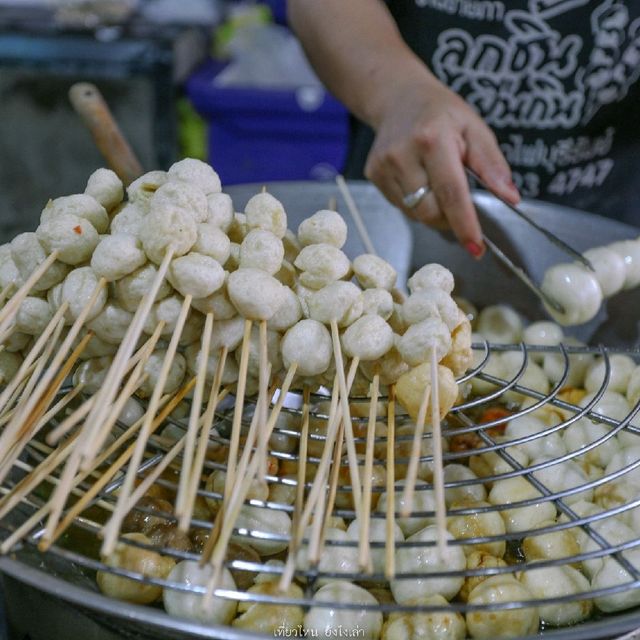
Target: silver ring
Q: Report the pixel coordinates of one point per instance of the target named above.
(412, 200)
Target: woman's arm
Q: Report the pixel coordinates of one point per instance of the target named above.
(425, 133)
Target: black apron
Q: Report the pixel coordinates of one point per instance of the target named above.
(556, 80)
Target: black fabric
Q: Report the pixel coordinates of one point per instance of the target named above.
(557, 81)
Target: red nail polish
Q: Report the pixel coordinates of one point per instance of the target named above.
(474, 249)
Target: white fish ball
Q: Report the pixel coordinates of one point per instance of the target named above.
(195, 173)
(9, 365)
(501, 623)
(609, 267)
(377, 533)
(196, 275)
(78, 288)
(532, 378)
(189, 604)
(81, 205)
(373, 272)
(500, 324)
(420, 340)
(28, 254)
(227, 333)
(308, 343)
(390, 367)
(255, 294)
(551, 545)
(105, 186)
(92, 373)
(543, 333)
(180, 195)
(337, 558)
(460, 357)
(9, 274)
(613, 574)
(117, 256)
(479, 524)
(368, 338)
(263, 211)
(431, 302)
(153, 368)
(576, 289)
(130, 290)
(212, 242)
(33, 316)
(563, 476)
(321, 264)
(218, 303)
(377, 302)
(330, 621)
(545, 444)
(193, 355)
(625, 458)
(323, 226)
(583, 433)
(141, 190)
(220, 210)
(131, 220)
(340, 301)
(629, 251)
(554, 365)
(131, 412)
(431, 275)
(425, 560)
(74, 238)
(454, 473)
(168, 228)
(112, 323)
(261, 249)
(423, 502)
(289, 312)
(168, 311)
(612, 405)
(621, 367)
(273, 352)
(264, 521)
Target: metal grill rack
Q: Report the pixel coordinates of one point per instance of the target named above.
(73, 560)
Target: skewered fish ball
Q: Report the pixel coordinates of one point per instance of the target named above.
(105, 186)
(411, 387)
(153, 367)
(112, 323)
(141, 190)
(74, 238)
(148, 563)
(373, 272)
(327, 622)
(195, 173)
(308, 343)
(629, 251)
(218, 303)
(321, 264)
(609, 267)
(168, 311)
(431, 275)
(277, 524)
(212, 242)
(33, 316)
(500, 324)
(180, 195)
(340, 301)
(9, 365)
(340, 558)
(368, 338)
(431, 302)
(131, 412)
(196, 275)
(289, 313)
(377, 302)
(9, 274)
(377, 533)
(437, 625)
(78, 288)
(501, 623)
(258, 490)
(420, 340)
(273, 352)
(167, 228)
(130, 290)
(220, 210)
(613, 574)
(116, 256)
(130, 219)
(480, 524)
(423, 502)
(28, 254)
(255, 294)
(261, 249)
(620, 369)
(425, 560)
(390, 367)
(324, 226)
(227, 333)
(460, 356)
(576, 289)
(81, 205)
(263, 211)
(189, 604)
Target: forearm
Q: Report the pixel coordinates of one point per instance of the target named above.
(356, 49)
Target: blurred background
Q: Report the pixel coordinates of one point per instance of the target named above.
(220, 80)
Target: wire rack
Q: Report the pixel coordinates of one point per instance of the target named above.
(76, 559)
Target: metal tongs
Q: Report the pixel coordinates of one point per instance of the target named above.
(519, 272)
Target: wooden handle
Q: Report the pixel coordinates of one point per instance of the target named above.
(94, 111)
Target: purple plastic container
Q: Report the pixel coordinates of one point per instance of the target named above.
(262, 135)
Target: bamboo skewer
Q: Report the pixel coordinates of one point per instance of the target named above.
(390, 547)
(263, 400)
(4, 294)
(355, 214)
(364, 548)
(54, 436)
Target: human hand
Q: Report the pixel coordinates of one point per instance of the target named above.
(426, 135)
